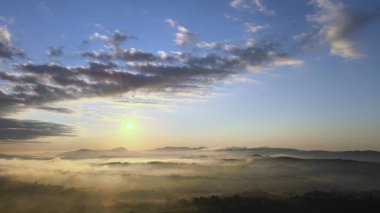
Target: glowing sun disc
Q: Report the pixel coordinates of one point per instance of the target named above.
(128, 126)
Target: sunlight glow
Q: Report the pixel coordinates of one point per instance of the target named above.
(128, 126)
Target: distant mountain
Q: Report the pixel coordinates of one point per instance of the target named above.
(178, 148)
(119, 149)
(5, 156)
(368, 155)
(24, 157)
(88, 153)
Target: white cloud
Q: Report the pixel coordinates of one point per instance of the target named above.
(333, 22)
(171, 22)
(5, 35)
(163, 55)
(99, 36)
(237, 3)
(183, 35)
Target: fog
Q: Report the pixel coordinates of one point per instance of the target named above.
(155, 180)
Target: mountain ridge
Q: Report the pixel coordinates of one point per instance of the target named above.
(358, 155)
(93, 153)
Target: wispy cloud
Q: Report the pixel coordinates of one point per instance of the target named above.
(237, 3)
(262, 8)
(336, 26)
(56, 109)
(256, 5)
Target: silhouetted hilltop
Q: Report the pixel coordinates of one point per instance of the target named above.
(368, 155)
(88, 153)
(178, 148)
(5, 156)
(119, 149)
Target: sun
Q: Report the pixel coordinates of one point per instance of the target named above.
(128, 126)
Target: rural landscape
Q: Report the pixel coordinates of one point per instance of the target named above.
(198, 106)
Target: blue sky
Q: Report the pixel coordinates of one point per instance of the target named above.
(300, 74)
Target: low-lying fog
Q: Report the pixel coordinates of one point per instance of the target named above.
(164, 177)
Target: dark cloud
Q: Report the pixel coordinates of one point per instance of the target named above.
(176, 75)
(121, 54)
(42, 84)
(14, 130)
(7, 51)
(38, 85)
(135, 55)
(119, 37)
(241, 58)
(115, 71)
(57, 109)
(97, 55)
(5, 46)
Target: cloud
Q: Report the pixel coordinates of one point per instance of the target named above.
(111, 39)
(115, 71)
(171, 22)
(5, 35)
(284, 60)
(113, 43)
(99, 36)
(42, 84)
(252, 4)
(56, 109)
(183, 35)
(262, 8)
(336, 26)
(214, 45)
(54, 51)
(97, 55)
(7, 50)
(15, 130)
(133, 54)
(253, 28)
(126, 55)
(237, 3)
(261, 55)
(39, 85)
(118, 37)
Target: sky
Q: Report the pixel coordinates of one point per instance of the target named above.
(145, 74)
